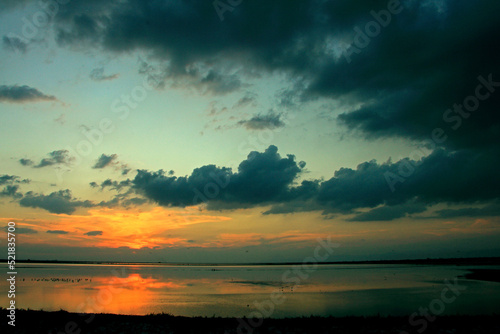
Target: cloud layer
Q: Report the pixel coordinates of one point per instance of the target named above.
(422, 61)
(393, 190)
(371, 192)
(431, 76)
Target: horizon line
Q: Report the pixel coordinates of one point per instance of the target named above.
(454, 260)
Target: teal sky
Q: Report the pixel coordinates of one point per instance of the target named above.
(224, 88)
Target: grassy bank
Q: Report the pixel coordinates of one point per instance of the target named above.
(29, 321)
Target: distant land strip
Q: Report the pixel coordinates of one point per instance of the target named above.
(428, 261)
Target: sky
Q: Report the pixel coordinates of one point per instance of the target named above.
(239, 131)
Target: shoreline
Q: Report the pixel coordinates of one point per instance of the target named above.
(428, 261)
(488, 275)
(58, 322)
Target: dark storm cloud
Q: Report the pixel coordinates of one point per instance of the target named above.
(97, 74)
(424, 60)
(433, 179)
(105, 160)
(372, 191)
(21, 94)
(187, 33)
(93, 233)
(392, 189)
(59, 202)
(55, 158)
(14, 44)
(413, 72)
(262, 177)
(189, 36)
(407, 81)
(57, 232)
(262, 122)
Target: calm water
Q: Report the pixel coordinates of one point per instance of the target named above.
(238, 291)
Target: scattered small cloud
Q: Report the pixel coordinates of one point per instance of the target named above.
(22, 94)
(57, 232)
(125, 169)
(93, 233)
(11, 191)
(8, 179)
(26, 162)
(97, 74)
(60, 202)
(55, 158)
(61, 119)
(113, 185)
(105, 160)
(23, 230)
(111, 161)
(248, 99)
(11, 186)
(263, 122)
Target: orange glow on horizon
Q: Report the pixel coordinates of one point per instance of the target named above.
(115, 228)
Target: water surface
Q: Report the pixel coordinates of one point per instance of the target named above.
(273, 290)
